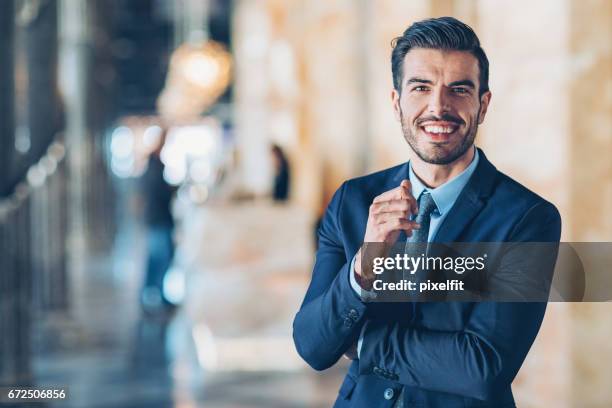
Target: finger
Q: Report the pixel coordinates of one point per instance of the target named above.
(404, 190)
(408, 204)
(399, 224)
(395, 205)
(389, 216)
(388, 195)
(406, 184)
(394, 193)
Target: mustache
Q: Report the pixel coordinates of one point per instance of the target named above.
(445, 118)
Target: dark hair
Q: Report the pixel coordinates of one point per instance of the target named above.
(444, 33)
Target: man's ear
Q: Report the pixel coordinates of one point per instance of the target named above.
(485, 99)
(395, 100)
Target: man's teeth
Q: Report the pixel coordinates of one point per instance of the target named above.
(439, 129)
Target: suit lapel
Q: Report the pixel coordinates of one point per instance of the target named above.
(397, 176)
(469, 203)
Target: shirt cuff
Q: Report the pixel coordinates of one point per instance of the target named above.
(361, 292)
(352, 278)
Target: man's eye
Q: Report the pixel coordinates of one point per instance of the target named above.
(460, 90)
(420, 88)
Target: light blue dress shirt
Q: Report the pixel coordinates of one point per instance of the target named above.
(444, 196)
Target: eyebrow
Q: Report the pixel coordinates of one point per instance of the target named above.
(463, 82)
(418, 80)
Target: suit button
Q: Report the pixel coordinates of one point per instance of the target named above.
(388, 394)
(353, 314)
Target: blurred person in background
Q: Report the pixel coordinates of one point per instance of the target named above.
(157, 196)
(282, 175)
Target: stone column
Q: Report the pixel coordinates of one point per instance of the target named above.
(74, 59)
(283, 93)
(334, 112)
(252, 43)
(7, 92)
(388, 19)
(100, 98)
(589, 120)
(44, 124)
(590, 187)
(44, 106)
(14, 238)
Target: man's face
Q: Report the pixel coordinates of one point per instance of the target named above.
(439, 106)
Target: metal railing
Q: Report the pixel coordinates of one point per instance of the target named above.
(33, 273)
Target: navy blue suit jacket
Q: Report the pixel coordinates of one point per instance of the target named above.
(444, 354)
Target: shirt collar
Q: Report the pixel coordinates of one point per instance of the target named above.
(446, 194)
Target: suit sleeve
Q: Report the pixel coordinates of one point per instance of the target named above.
(332, 314)
(478, 360)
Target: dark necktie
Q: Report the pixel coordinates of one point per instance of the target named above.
(417, 243)
(426, 207)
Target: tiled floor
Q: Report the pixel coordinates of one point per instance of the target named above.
(224, 348)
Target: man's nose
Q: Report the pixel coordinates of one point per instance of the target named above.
(438, 102)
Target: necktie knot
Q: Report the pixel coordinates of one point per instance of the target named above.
(427, 206)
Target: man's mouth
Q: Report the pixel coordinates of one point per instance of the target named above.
(439, 131)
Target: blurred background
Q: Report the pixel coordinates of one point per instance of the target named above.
(163, 166)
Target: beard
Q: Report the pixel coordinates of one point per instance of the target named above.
(438, 153)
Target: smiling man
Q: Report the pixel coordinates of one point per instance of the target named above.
(440, 105)
(429, 354)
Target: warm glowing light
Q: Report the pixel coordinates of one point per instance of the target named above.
(201, 69)
(198, 76)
